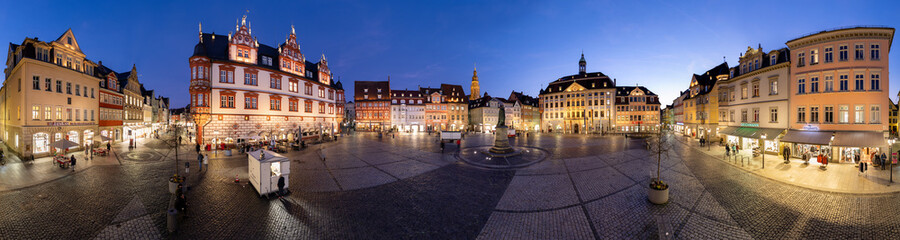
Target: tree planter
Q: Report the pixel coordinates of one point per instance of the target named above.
(172, 187)
(173, 183)
(658, 196)
(658, 192)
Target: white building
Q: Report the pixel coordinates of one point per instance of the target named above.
(484, 113)
(407, 111)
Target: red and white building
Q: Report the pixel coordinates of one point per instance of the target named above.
(241, 88)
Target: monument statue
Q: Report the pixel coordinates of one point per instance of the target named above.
(502, 118)
(501, 139)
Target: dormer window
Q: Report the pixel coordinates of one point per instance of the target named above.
(69, 40)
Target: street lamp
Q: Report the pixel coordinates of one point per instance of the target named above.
(891, 157)
(762, 151)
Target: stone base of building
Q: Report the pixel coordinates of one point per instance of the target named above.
(230, 128)
(34, 141)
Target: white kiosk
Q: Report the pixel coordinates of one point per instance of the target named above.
(265, 167)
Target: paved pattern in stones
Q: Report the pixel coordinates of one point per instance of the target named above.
(404, 188)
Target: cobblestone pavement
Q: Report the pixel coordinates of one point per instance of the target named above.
(404, 188)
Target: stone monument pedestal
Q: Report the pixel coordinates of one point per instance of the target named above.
(501, 141)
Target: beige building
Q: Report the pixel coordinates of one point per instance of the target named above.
(839, 93)
(133, 107)
(48, 94)
(753, 101)
(578, 103)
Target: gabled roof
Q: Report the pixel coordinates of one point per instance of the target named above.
(523, 99)
(624, 91)
(373, 86)
(215, 46)
(453, 93)
(594, 80)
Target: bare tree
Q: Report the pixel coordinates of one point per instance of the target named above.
(659, 145)
(173, 140)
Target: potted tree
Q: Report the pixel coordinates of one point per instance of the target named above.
(174, 141)
(659, 145)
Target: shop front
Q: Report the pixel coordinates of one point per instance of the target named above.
(809, 144)
(748, 138)
(858, 146)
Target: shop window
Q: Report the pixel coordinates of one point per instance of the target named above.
(41, 142)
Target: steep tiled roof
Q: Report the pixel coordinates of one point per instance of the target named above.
(592, 80)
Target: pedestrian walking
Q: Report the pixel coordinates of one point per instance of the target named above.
(200, 162)
(198, 148)
(107, 146)
(72, 162)
(727, 151)
(884, 160)
(787, 154)
(280, 186)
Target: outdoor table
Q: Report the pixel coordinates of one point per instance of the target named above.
(62, 162)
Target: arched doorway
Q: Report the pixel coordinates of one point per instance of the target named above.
(575, 129)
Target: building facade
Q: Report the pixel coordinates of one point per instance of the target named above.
(578, 103)
(484, 113)
(373, 105)
(530, 115)
(637, 110)
(839, 93)
(457, 107)
(111, 105)
(243, 89)
(753, 101)
(435, 109)
(48, 95)
(701, 104)
(678, 113)
(407, 111)
(133, 125)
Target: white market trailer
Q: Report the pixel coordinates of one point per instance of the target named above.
(265, 167)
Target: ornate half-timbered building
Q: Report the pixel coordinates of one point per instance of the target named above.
(241, 89)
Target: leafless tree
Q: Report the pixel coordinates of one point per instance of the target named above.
(660, 145)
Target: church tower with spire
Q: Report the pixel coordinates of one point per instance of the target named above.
(582, 65)
(475, 92)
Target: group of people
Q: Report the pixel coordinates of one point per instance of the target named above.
(731, 148)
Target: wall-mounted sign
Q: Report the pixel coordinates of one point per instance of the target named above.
(749, 124)
(68, 124)
(811, 127)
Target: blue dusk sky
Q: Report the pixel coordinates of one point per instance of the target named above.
(517, 45)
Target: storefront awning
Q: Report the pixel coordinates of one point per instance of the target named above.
(745, 132)
(728, 130)
(859, 139)
(807, 137)
(771, 133)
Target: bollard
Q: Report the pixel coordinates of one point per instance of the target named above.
(171, 219)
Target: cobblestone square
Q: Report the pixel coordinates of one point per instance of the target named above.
(403, 187)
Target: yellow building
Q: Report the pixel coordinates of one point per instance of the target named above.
(701, 106)
(48, 95)
(580, 103)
